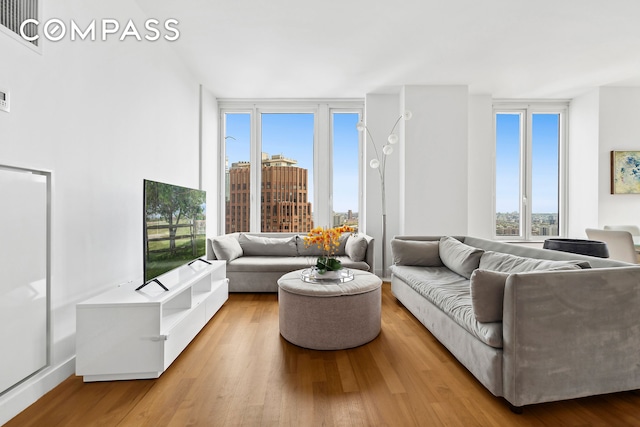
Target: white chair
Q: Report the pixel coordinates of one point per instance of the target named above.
(619, 243)
(633, 229)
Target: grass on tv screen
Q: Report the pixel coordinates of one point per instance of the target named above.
(174, 227)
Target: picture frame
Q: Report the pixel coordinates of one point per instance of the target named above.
(625, 172)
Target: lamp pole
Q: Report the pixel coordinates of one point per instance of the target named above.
(376, 163)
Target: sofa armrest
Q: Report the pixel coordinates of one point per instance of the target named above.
(571, 334)
(210, 253)
(370, 255)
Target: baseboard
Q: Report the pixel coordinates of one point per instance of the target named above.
(25, 394)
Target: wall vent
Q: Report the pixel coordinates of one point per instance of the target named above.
(14, 12)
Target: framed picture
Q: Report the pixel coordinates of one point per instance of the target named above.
(625, 172)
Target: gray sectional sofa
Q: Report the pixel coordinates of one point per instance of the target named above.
(532, 325)
(255, 261)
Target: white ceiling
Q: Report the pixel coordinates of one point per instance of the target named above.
(348, 48)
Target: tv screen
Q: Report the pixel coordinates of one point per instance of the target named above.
(174, 227)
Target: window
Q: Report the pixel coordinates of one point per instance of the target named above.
(346, 148)
(287, 160)
(237, 168)
(309, 161)
(529, 170)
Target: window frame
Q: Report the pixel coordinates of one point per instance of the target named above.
(361, 160)
(528, 109)
(323, 110)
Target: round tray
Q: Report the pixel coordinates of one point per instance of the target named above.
(311, 275)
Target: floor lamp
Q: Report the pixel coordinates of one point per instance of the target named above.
(380, 164)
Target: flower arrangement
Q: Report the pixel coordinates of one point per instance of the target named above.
(328, 240)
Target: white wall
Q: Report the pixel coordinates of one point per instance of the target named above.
(619, 129)
(481, 156)
(209, 128)
(426, 176)
(583, 164)
(96, 114)
(434, 184)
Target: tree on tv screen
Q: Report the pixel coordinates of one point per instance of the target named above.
(175, 206)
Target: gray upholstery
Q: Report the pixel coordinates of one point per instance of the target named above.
(450, 292)
(407, 252)
(260, 273)
(483, 361)
(487, 294)
(565, 334)
(330, 316)
(571, 334)
(458, 257)
(283, 264)
(227, 248)
(356, 248)
(498, 261)
(361, 283)
(267, 246)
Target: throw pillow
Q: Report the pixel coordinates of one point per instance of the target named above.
(356, 248)
(498, 261)
(487, 294)
(343, 244)
(267, 246)
(226, 248)
(418, 253)
(458, 257)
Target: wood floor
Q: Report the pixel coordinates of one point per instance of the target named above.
(239, 371)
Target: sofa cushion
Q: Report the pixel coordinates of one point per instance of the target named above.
(450, 293)
(458, 257)
(284, 264)
(226, 248)
(267, 246)
(356, 247)
(498, 261)
(419, 253)
(487, 294)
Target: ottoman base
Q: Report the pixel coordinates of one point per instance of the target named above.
(329, 323)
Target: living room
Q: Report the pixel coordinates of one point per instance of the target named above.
(100, 116)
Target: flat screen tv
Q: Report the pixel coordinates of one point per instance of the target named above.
(173, 228)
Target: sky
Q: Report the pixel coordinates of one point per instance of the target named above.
(545, 131)
(291, 134)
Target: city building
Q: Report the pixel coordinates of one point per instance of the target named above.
(284, 196)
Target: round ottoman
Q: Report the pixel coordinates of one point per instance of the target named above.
(329, 315)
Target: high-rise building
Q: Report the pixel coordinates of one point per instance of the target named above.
(283, 199)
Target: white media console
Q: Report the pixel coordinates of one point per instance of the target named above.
(126, 334)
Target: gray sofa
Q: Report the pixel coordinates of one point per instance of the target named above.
(255, 261)
(532, 325)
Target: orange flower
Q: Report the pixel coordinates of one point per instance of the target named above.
(327, 239)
